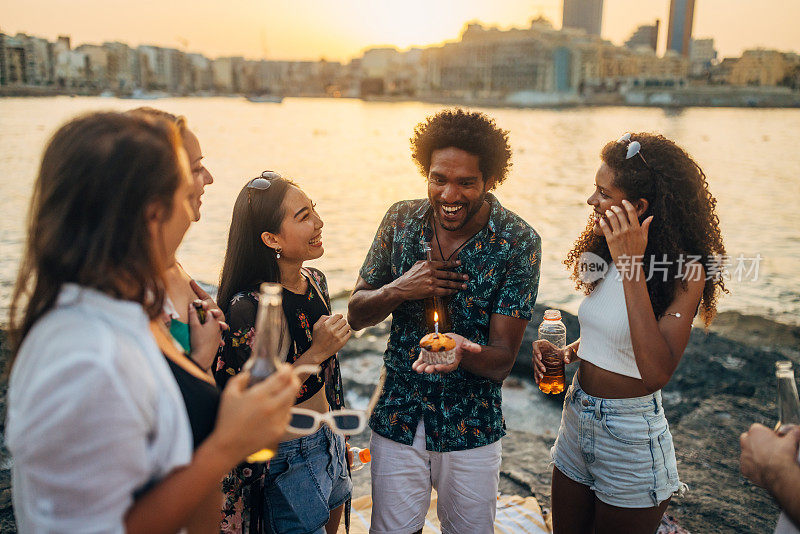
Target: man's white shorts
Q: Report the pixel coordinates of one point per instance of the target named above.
(402, 476)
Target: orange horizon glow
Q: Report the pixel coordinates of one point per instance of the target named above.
(311, 30)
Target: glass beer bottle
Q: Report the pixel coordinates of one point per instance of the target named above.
(788, 402)
(267, 345)
(554, 331)
(436, 304)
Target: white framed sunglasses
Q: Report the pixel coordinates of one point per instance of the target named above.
(345, 422)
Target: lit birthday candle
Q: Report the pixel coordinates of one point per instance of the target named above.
(436, 322)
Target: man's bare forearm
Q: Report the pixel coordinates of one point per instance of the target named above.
(369, 307)
(786, 489)
(492, 362)
(496, 359)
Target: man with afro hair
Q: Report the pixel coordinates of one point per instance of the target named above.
(440, 425)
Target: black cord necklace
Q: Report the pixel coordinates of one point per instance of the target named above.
(439, 245)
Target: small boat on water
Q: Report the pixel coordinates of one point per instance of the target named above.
(139, 94)
(258, 99)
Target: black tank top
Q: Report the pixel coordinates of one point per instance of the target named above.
(201, 399)
(302, 312)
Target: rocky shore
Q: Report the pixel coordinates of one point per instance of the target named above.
(724, 383)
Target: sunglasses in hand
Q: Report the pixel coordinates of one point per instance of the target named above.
(344, 422)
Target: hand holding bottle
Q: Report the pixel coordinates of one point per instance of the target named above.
(357, 458)
(254, 417)
(543, 347)
(766, 455)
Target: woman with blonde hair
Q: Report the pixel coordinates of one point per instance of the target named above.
(184, 297)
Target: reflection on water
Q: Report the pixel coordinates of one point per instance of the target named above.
(352, 158)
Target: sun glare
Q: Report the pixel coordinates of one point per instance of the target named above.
(413, 22)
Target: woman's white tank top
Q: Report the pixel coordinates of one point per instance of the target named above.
(605, 332)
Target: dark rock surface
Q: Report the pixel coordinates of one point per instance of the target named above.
(724, 383)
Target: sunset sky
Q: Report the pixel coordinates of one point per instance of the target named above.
(342, 29)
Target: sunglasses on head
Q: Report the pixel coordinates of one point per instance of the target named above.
(634, 148)
(264, 181)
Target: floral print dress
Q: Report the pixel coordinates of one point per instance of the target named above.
(243, 488)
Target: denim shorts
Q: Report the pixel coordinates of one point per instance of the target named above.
(621, 448)
(305, 480)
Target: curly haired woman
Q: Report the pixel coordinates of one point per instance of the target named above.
(654, 222)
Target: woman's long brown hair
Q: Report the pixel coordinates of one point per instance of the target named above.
(685, 222)
(87, 222)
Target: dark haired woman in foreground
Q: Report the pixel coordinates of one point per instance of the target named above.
(275, 228)
(654, 223)
(96, 424)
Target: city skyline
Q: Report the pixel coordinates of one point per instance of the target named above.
(309, 30)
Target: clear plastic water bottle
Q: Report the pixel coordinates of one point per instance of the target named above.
(361, 457)
(554, 331)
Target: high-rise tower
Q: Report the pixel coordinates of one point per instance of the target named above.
(586, 14)
(679, 32)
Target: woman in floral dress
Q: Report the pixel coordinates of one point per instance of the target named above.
(274, 230)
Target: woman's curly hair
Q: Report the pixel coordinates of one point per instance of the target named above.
(471, 132)
(685, 222)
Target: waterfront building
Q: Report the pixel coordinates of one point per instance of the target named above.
(300, 76)
(224, 75)
(679, 31)
(702, 56)
(645, 36)
(379, 62)
(175, 65)
(762, 67)
(488, 63)
(152, 68)
(38, 60)
(386, 70)
(96, 66)
(199, 74)
(491, 63)
(12, 61)
(583, 14)
(70, 67)
(122, 67)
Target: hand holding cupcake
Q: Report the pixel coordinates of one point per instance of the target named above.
(442, 353)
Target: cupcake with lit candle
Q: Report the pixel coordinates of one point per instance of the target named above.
(436, 348)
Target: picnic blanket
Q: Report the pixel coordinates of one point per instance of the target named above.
(515, 515)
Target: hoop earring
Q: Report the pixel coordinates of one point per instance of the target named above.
(278, 252)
